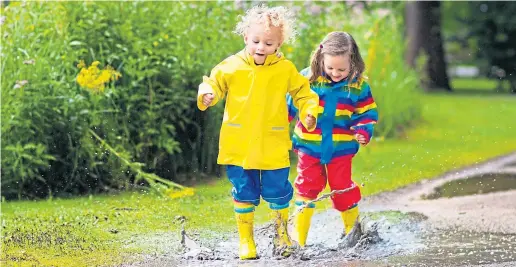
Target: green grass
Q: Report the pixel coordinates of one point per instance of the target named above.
(106, 229)
(456, 130)
(478, 84)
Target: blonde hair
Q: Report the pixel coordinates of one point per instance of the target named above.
(337, 44)
(269, 16)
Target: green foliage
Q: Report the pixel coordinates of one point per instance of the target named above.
(494, 25)
(162, 51)
(483, 33)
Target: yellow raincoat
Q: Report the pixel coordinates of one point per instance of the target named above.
(255, 127)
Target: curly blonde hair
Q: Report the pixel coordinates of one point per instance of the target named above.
(276, 16)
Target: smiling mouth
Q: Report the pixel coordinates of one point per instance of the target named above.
(335, 79)
(260, 55)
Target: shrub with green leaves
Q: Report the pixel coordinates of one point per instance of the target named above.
(61, 138)
(147, 116)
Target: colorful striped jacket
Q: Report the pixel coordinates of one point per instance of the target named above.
(344, 109)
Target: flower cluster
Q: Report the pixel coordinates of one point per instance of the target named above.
(95, 79)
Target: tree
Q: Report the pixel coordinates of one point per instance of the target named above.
(494, 26)
(423, 31)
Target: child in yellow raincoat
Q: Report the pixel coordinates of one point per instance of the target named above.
(254, 138)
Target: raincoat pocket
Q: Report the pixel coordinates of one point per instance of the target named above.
(279, 142)
(232, 140)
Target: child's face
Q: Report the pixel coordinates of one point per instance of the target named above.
(261, 43)
(336, 67)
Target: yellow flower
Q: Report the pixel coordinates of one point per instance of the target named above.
(165, 36)
(188, 191)
(94, 79)
(290, 49)
(155, 43)
(105, 76)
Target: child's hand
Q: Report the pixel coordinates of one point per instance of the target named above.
(361, 139)
(310, 121)
(207, 99)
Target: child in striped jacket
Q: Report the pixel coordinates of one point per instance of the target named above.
(347, 114)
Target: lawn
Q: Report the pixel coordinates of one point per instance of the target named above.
(479, 84)
(456, 130)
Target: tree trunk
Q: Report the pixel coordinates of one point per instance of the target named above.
(423, 30)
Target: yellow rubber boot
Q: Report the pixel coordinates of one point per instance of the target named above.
(349, 217)
(282, 241)
(247, 248)
(302, 224)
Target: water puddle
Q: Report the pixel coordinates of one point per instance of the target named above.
(380, 235)
(388, 238)
(512, 164)
(461, 248)
(482, 184)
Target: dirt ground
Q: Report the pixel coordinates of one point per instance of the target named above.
(411, 226)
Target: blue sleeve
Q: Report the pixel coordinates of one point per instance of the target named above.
(292, 110)
(365, 115)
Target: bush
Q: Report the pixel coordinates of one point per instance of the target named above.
(60, 138)
(149, 116)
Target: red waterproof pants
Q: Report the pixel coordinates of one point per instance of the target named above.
(312, 177)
